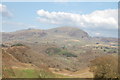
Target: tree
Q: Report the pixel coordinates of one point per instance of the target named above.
(105, 67)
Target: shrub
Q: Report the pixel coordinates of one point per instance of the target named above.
(67, 54)
(18, 44)
(53, 51)
(3, 45)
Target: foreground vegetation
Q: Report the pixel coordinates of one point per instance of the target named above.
(105, 68)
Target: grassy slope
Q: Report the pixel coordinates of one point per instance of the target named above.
(32, 73)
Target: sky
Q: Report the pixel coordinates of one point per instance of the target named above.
(96, 18)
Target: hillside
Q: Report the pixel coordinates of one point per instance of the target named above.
(15, 68)
(62, 50)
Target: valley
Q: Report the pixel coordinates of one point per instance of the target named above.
(63, 52)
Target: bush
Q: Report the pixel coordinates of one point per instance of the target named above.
(67, 54)
(53, 51)
(3, 45)
(18, 44)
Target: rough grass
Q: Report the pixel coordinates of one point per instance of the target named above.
(28, 73)
(8, 73)
(25, 73)
(32, 73)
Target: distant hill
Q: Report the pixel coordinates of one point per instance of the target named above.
(70, 31)
(36, 33)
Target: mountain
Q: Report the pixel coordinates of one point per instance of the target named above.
(68, 32)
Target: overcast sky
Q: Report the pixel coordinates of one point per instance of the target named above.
(96, 18)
